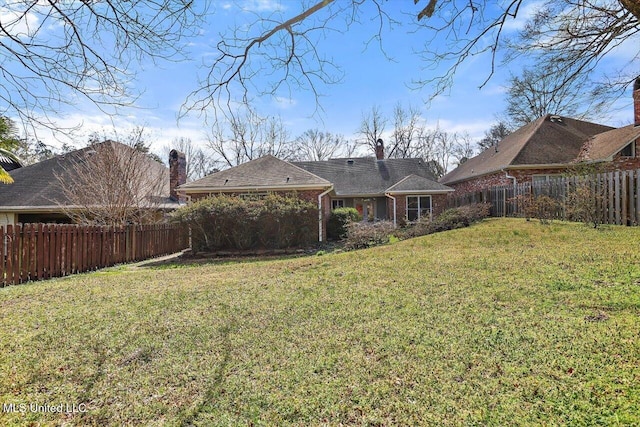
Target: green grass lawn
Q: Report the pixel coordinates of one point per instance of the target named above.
(504, 323)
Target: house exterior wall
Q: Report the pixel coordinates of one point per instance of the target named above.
(622, 163)
(438, 205)
(498, 179)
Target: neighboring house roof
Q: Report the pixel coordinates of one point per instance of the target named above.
(39, 186)
(605, 145)
(413, 184)
(367, 176)
(550, 140)
(265, 173)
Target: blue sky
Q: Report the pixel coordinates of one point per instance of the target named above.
(370, 77)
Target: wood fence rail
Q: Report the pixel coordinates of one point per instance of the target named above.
(43, 251)
(615, 196)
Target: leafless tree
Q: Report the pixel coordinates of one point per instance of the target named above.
(574, 34)
(444, 144)
(316, 145)
(408, 127)
(55, 52)
(247, 136)
(136, 137)
(372, 128)
(110, 183)
(541, 91)
(463, 148)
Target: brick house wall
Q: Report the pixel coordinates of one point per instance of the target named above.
(500, 179)
(438, 205)
(623, 163)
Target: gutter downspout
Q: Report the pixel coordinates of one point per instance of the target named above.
(515, 182)
(320, 196)
(394, 208)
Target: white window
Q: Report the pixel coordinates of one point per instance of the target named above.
(629, 150)
(418, 207)
(337, 203)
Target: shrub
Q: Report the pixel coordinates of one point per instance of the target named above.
(582, 204)
(339, 220)
(542, 207)
(449, 220)
(362, 235)
(227, 222)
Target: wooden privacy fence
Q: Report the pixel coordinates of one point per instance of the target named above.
(614, 196)
(42, 251)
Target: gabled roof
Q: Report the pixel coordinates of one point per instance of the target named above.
(366, 176)
(415, 184)
(550, 140)
(604, 145)
(39, 185)
(266, 173)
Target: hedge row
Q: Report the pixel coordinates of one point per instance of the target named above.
(226, 222)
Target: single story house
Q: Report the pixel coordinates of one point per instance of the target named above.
(38, 191)
(550, 146)
(380, 189)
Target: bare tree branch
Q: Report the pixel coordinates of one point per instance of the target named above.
(110, 183)
(247, 136)
(576, 34)
(57, 52)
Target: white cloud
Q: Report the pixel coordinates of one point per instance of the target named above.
(18, 23)
(263, 5)
(284, 103)
(475, 128)
(526, 11)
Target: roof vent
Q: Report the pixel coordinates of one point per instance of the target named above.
(350, 161)
(555, 119)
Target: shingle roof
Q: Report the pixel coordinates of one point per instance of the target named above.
(38, 185)
(548, 140)
(267, 172)
(366, 176)
(606, 144)
(415, 184)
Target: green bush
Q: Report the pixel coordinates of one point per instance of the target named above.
(338, 221)
(227, 222)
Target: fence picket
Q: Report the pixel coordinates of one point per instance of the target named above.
(40, 251)
(616, 196)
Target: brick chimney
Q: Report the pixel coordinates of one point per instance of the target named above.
(177, 174)
(636, 102)
(379, 149)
